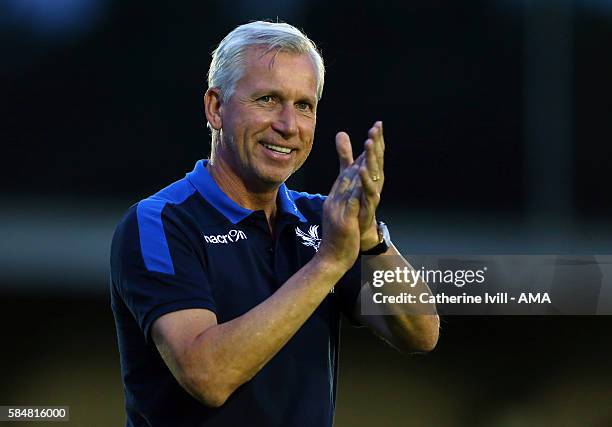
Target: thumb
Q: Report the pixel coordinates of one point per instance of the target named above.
(344, 149)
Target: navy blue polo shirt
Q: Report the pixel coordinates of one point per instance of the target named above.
(191, 246)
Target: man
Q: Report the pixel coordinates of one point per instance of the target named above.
(226, 286)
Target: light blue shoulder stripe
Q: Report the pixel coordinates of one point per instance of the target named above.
(297, 195)
(153, 242)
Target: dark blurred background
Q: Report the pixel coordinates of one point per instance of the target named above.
(498, 124)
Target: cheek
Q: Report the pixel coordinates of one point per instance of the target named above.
(253, 126)
(307, 147)
(239, 130)
(241, 119)
(307, 130)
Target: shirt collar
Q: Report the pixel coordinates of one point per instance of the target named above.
(208, 188)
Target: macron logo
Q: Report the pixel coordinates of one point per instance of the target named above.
(231, 237)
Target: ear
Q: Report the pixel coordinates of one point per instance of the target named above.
(212, 107)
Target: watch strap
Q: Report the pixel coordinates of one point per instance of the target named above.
(384, 241)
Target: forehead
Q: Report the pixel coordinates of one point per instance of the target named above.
(278, 70)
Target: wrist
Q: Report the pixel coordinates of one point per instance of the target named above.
(331, 263)
(370, 238)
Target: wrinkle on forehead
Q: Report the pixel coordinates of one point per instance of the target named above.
(265, 59)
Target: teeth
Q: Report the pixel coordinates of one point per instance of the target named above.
(278, 149)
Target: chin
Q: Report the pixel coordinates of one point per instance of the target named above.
(273, 178)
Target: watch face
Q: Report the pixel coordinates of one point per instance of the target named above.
(381, 235)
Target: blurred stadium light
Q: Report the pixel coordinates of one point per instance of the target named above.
(52, 20)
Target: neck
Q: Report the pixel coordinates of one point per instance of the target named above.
(245, 195)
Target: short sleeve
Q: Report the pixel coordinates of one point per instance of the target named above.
(156, 264)
(347, 292)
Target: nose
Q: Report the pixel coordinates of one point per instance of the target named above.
(286, 122)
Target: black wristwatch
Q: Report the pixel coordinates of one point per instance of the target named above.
(384, 241)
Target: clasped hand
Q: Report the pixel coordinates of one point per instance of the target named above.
(349, 220)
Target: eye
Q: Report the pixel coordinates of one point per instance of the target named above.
(266, 99)
(303, 106)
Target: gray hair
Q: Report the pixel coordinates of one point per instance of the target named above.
(226, 67)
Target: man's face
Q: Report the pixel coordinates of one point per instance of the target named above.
(268, 124)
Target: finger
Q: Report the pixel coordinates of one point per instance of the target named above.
(361, 160)
(344, 149)
(371, 192)
(352, 173)
(354, 188)
(371, 161)
(350, 198)
(381, 157)
(376, 134)
(351, 207)
(343, 181)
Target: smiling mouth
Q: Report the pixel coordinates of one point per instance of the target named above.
(277, 148)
